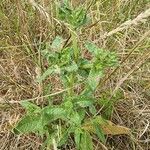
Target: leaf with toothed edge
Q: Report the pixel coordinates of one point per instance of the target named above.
(29, 123)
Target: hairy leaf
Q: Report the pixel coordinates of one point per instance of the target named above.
(94, 78)
(48, 72)
(57, 43)
(74, 17)
(99, 132)
(75, 119)
(71, 68)
(92, 109)
(30, 107)
(84, 101)
(92, 48)
(55, 113)
(86, 141)
(103, 58)
(77, 137)
(29, 123)
(51, 56)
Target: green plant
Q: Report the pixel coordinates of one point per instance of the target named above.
(68, 118)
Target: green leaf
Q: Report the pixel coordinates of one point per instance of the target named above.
(92, 48)
(64, 11)
(51, 56)
(82, 114)
(103, 58)
(75, 119)
(92, 109)
(99, 132)
(74, 17)
(57, 70)
(66, 56)
(57, 43)
(49, 71)
(79, 17)
(71, 68)
(77, 137)
(65, 136)
(29, 123)
(30, 107)
(49, 139)
(94, 78)
(84, 103)
(86, 141)
(68, 106)
(54, 112)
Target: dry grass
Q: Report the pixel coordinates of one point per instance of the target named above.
(121, 25)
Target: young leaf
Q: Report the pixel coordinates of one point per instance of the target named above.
(104, 58)
(92, 109)
(66, 56)
(74, 17)
(79, 17)
(68, 104)
(51, 56)
(64, 11)
(71, 68)
(94, 78)
(84, 103)
(92, 48)
(48, 72)
(57, 43)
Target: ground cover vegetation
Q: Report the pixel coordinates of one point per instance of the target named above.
(75, 74)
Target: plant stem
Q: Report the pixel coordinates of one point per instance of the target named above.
(75, 46)
(76, 56)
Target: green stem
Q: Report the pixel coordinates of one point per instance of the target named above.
(76, 56)
(75, 46)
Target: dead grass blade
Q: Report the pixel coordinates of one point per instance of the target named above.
(135, 67)
(132, 50)
(142, 17)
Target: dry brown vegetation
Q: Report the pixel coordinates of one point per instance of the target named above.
(119, 25)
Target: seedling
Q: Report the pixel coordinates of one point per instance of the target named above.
(59, 122)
